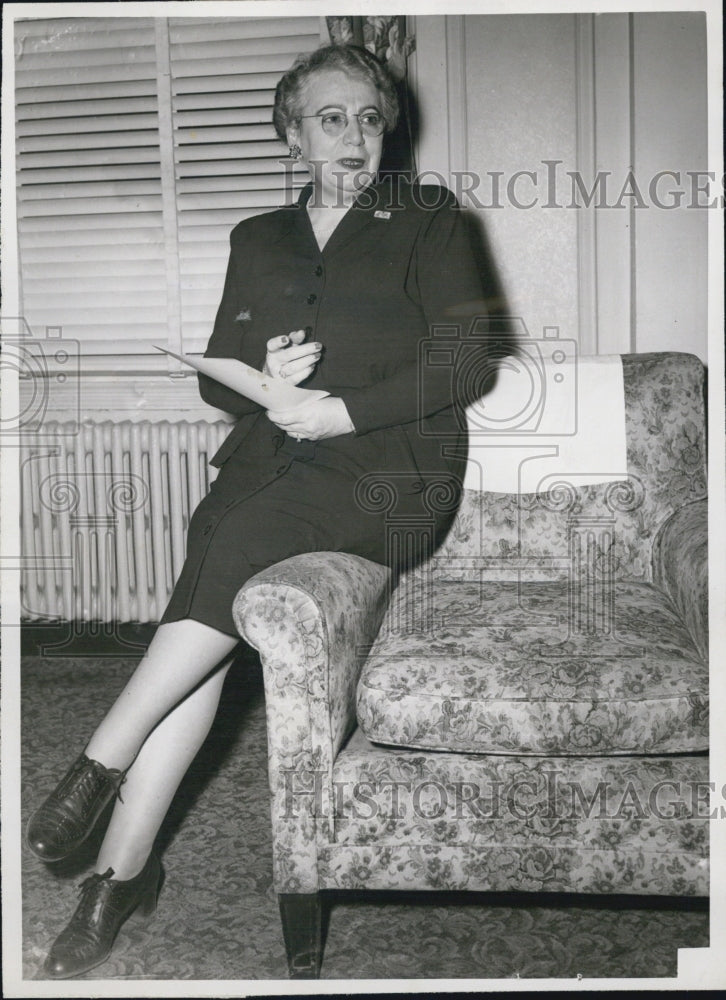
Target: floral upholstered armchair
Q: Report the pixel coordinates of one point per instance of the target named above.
(527, 710)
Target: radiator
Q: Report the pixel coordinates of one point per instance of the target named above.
(105, 511)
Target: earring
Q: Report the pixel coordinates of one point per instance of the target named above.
(295, 151)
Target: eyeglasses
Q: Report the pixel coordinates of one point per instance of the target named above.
(336, 122)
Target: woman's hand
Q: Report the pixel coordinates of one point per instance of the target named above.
(316, 420)
(289, 358)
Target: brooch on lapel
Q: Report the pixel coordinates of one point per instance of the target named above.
(243, 315)
(380, 214)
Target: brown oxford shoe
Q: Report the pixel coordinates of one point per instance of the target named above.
(70, 812)
(106, 904)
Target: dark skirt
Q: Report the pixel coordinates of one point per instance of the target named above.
(302, 498)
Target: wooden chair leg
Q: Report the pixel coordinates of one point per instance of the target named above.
(301, 914)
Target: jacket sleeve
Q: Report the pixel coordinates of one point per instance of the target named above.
(447, 283)
(228, 340)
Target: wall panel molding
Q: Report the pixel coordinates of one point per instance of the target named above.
(586, 219)
(614, 236)
(456, 56)
(438, 79)
(604, 117)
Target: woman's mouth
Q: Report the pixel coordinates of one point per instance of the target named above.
(351, 162)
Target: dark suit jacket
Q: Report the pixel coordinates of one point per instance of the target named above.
(390, 297)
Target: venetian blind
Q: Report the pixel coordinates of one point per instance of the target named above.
(229, 162)
(141, 142)
(89, 181)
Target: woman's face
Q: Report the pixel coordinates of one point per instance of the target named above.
(340, 166)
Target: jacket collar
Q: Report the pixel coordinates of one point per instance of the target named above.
(360, 215)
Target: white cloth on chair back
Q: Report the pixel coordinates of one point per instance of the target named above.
(551, 417)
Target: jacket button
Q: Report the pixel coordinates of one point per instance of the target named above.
(312, 298)
(319, 270)
(207, 529)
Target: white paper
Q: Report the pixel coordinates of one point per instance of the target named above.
(272, 393)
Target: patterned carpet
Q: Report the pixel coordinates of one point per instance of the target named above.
(217, 916)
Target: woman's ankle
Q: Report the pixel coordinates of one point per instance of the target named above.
(126, 866)
(109, 761)
(114, 757)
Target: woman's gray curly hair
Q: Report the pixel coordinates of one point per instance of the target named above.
(290, 92)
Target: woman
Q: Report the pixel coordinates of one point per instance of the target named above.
(336, 292)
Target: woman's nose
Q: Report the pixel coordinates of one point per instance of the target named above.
(353, 133)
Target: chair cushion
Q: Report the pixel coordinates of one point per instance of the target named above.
(499, 671)
(415, 819)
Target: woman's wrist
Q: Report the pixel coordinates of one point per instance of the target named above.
(346, 421)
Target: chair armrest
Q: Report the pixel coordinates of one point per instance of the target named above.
(312, 618)
(680, 567)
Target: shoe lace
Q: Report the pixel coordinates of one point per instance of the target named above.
(94, 879)
(88, 891)
(82, 779)
(117, 792)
